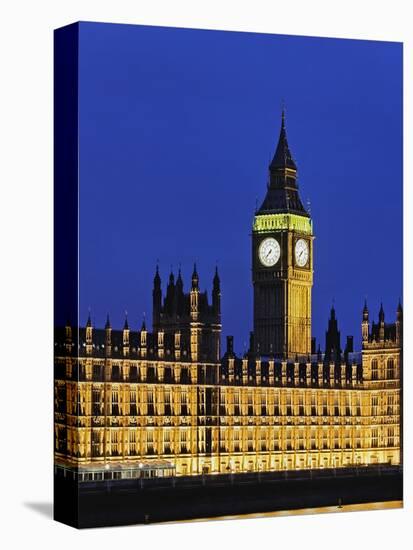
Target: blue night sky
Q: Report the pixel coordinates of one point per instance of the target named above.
(176, 132)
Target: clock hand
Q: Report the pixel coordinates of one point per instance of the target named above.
(268, 253)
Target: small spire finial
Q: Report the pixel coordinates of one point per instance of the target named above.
(195, 278)
(381, 313)
(216, 277)
(282, 158)
(283, 111)
(157, 278)
(107, 321)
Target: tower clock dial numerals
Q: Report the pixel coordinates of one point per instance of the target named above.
(301, 252)
(269, 252)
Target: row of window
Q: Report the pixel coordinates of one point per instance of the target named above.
(249, 440)
(390, 370)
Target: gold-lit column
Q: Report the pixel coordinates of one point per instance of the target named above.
(284, 373)
(308, 373)
(331, 374)
(258, 371)
(271, 372)
(320, 375)
(296, 373)
(353, 374)
(177, 345)
(231, 370)
(161, 344)
(244, 370)
(343, 375)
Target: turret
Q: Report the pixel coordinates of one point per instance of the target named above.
(365, 323)
(230, 346)
(194, 301)
(195, 295)
(399, 323)
(195, 279)
(108, 337)
(89, 336)
(251, 349)
(381, 323)
(333, 346)
(216, 293)
(179, 295)
(156, 299)
(143, 339)
(349, 348)
(170, 296)
(125, 336)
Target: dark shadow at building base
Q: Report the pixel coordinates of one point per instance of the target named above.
(42, 508)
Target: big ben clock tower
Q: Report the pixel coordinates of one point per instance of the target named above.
(282, 262)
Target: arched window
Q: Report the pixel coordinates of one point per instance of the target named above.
(374, 370)
(390, 368)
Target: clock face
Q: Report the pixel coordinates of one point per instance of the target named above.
(269, 252)
(301, 252)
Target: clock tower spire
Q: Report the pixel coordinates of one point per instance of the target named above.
(282, 261)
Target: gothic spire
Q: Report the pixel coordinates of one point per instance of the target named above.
(107, 322)
(157, 278)
(216, 280)
(381, 314)
(195, 278)
(365, 311)
(282, 192)
(179, 281)
(282, 157)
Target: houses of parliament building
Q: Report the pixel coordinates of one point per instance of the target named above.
(168, 401)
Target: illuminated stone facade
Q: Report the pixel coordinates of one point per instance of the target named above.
(169, 396)
(129, 396)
